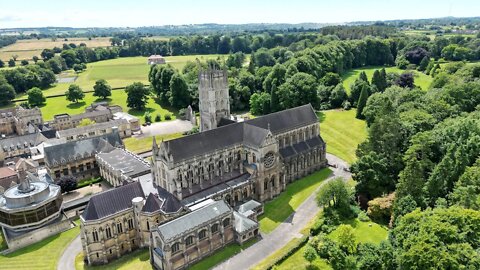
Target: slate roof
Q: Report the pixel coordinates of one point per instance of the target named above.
(94, 127)
(243, 223)
(90, 114)
(82, 148)
(164, 201)
(112, 201)
(127, 163)
(193, 219)
(250, 205)
(20, 142)
(296, 149)
(251, 132)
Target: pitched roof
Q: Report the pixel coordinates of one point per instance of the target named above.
(250, 205)
(78, 149)
(6, 172)
(193, 219)
(251, 132)
(112, 201)
(94, 127)
(127, 163)
(243, 223)
(25, 141)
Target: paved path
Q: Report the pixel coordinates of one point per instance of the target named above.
(286, 231)
(167, 127)
(67, 261)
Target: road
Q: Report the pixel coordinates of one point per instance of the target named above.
(67, 261)
(286, 231)
(270, 243)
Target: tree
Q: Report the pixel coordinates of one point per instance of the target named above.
(346, 238)
(380, 209)
(338, 96)
(54, 65)
(67, 183)
(74, 93)
(379, 79)
(7, 93)
(356, 89)
(35, 59)
(179, 96)
(137, 95)
(15, 57)
(331, 79)
(336, 192)
(11, 63)
(424, 63)
(438, 239)
(85, 122)
(310, 254)
(35, 97)
(102, 89)
(405, 80)
(79, 67)
(24, 62)
(260, 103)
(2, 64)
(362, 101)
(363, 76)
(47, 54)
(298, 90)
(467, 189)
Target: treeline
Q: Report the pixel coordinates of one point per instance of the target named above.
(358, 32)
(6, 40)
(423, 148)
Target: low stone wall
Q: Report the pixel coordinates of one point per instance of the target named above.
(37, 235)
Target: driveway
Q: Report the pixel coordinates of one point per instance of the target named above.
(67, 261)
(162, 128)
(286, 231)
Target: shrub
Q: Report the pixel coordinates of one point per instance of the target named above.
(168, 116)
(147, 117)
(182, 113)
(380, 209)
(362, 216)
(158, 118)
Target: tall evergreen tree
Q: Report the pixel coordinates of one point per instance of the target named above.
(274, 102)
(363, 77)
(424, 63)
(379, 80)
(362, 101)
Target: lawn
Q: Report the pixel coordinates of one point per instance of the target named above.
(422, 80)
(42, 255)
(138, 260)
(342, 133)
(141, 145)
(297, 261)
(280, 208)
(59, 105)
(365, 232)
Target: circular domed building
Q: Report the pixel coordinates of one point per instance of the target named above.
(30, 204)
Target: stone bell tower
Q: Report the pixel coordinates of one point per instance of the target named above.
(214, 101)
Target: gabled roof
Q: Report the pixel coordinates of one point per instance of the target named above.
(193, 219)
(163, 201)
(112, 201)
(251, 132)
(19, 142)
(243, 223)
(88, 146)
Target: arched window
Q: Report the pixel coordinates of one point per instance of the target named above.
(108, 231)
(95, 236)
(226, 222)
(202, 234)
(215, 228)
(265, 184)
(254, 158)
(175, 247)
(189, 240)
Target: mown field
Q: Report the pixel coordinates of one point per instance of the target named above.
(118, 72)
(26, 49)
(342, 132)
(421, 80)
(42, 255)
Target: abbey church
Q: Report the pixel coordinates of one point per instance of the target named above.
(233, 160)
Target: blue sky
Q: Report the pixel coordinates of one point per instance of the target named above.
(104, 13)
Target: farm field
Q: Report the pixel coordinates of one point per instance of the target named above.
(42, 255)
(421, 80)
(26, 49)
(342, 132)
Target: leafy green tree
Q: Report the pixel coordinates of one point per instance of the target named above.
(11, 63)
(275, 78)
(356, 89)
(346, 238)
(263, 57)
(310, 254)
(35, 59)
(54, 65)
(334, 194)
(424, 63)
(331, 79)
(102, 89)
(235, 60)
(260, 103)
(299, 89)
(2, 64)
(24, 63)
(466, 192)
(35, 96)
(362, 101)
(338, 96)
(74, 93)
(363, 77)
(369, 257)
(7, 92)
(438, 239)
(137, 96)
(179, 98)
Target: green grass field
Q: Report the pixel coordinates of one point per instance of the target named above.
(297, 261)
(421, 80)
(42, 255)
(137, 145)
(342, 132)
(138, 260)
(281, 207)
(365, 232)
